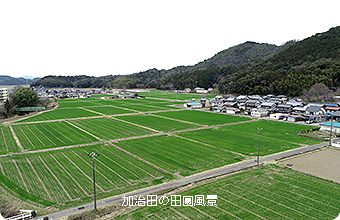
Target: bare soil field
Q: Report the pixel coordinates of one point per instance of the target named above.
(323, 163)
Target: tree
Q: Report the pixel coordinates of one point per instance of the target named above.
(318, 92)
(8, 106)
(25, 97)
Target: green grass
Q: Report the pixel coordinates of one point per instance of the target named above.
(204, 118)
(61, 114)
(255, 194)
(109, 110)
(109, 128)
(175, 154)
(80, 103)
(65, 177)
(157, 123)
(181, 96)
(7, 142)
(52, 134)
(242, 138)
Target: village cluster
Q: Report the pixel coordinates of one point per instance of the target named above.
(276, 107)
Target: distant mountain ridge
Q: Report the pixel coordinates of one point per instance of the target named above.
(10, 81)
(247, 68)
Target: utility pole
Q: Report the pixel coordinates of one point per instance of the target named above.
(258, 146)
(93, 155)
(330, 133)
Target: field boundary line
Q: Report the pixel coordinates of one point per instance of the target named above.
(206, 214)
(181, 214)
(82, 171)
(35, 135)
(58, 120)
(307, 196)
(17, 141)
(269, 209)
(56, 178)
(243, 208)
(48, 194)
(95, 168)
(185, 138)
(52, 134)
(113, 170)
(121, 120)
(3, 135)
(60, 133)
(290, 199)
(84, 130)
(129, 162)
(22, 179)
(174, 119)
(2, 170)
(45, 135)
(227, 212)
(27, 137)
(274, 202)
(138, 158)
(126, 109)
(98, 113)
(69, 175)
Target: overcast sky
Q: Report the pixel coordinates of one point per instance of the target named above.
(97, 38)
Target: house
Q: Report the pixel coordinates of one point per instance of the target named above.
(316, 112)
(258, 112)
(294, 103)
(329, 110)
(193, 105)
(252, 103)
(276, 100)
(327, 127)
(216, 103)
(230, 104)
(283, 98)
(187, 90)
(269, 106)
(299, 110)
(283, 108)
(231, 110)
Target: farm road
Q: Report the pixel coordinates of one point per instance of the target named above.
(197, 177)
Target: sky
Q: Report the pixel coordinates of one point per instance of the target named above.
(110, 37)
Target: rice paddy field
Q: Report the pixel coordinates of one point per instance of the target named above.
(267, 193)
(145, 142)
(60, 177)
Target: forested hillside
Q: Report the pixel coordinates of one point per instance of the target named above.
(8, 80)
(310, 61)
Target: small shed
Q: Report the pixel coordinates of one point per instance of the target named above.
(327, 127)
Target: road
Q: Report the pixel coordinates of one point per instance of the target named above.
(177, 183)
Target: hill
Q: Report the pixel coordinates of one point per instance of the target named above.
(313, 60)
(8, 80)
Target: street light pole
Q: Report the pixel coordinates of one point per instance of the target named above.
(258, 146)
(93, 155)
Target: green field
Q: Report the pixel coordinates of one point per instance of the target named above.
(180, 96)
(135, 152)
(7, 142)
(61, 114)
(157, 123)
(178, 155)
(267, 193)
(204, 118)
(109, 128)
(47, 135)
(110, 110)
(242, 138)
(62, 177)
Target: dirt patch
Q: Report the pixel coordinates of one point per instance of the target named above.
(324, 164)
